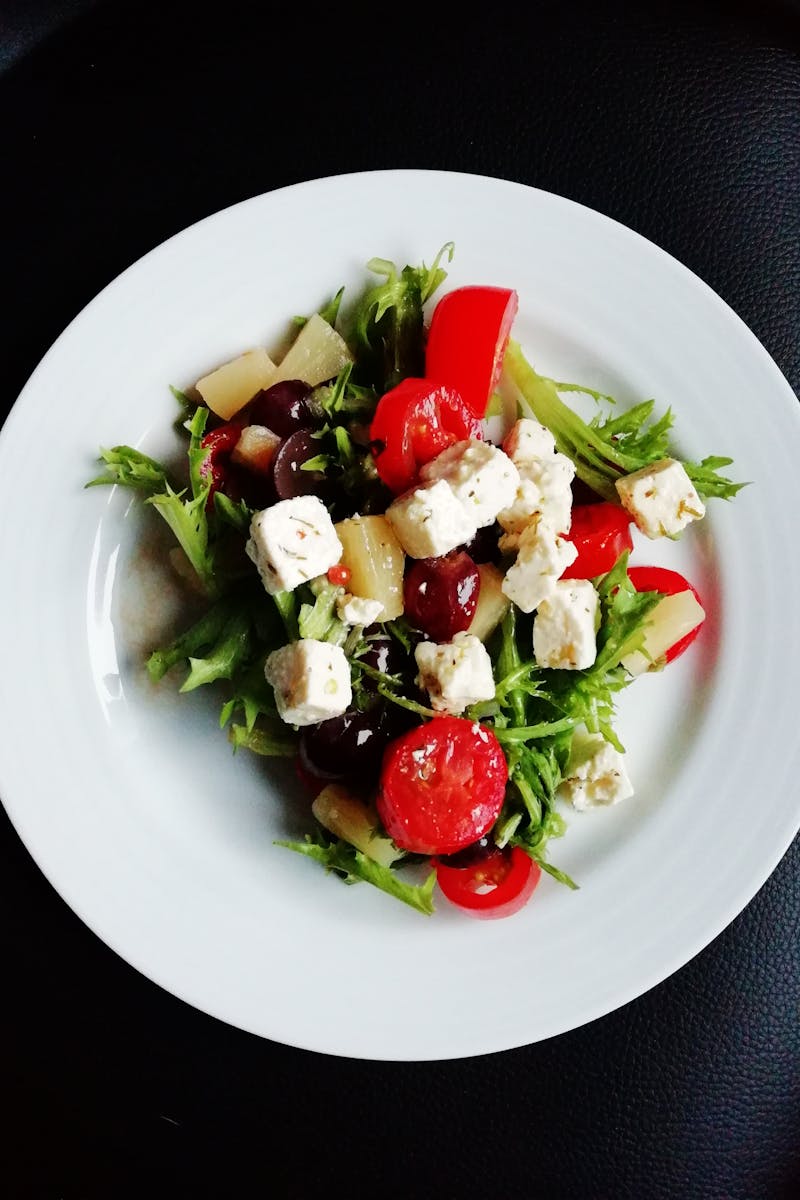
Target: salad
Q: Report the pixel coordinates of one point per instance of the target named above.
(411, 560)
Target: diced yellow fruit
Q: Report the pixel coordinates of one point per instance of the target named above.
(232, 385)
(317, 354)
(493, 604)
(355, 821)
(671, 619)
(375, 558)
(256, 447)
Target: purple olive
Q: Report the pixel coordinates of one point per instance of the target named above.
(288, 477)
(283, 408)
(482, 547)
(347, 747)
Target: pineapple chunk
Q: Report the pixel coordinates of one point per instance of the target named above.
(356, 822)
(493, 604)
(318, 353)
(376, 560)
(671, 619)
(256, 447)
(232, 385)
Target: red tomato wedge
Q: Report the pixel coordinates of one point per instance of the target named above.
(668, 583)
(442, 785)
(496, 883)
(414, 422)
(467, 339)
(600, 533)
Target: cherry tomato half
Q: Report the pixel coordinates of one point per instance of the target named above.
(413, 423)
(225, 475)
(467, 339)
(496, 884)
(442, 785)
(216, 469)
(600, 533)
(668, 583)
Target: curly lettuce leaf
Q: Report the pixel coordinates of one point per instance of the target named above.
(187, 520)
(194, 641)
(353, 865)
(387, 325)
(318, 619)
(130, 468)
(252, 695)
(222, 660)
(535, 711)
(186, 516)
(607, 447)
(275, 740)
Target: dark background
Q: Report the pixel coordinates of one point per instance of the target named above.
(122, 123)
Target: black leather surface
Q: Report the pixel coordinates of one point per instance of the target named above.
(120, 124)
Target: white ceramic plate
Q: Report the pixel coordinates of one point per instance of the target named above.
(128, 796)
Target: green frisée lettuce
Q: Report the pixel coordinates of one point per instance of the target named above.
(387, 325)
(318, 619)
(183, 509)
(536, 711)
(130, 468)
(353, 865)
(607, 447)
(270, 742)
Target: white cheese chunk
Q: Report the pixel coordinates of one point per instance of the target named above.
(429, 521)
(528, 440)
(311, 681)
(544, 491)
(455, 674)
(358, 610)
(526, 509)
(292, 542)
(542, 556)
(481, 477)
(595, 774)
(660, 498)
(565, 626)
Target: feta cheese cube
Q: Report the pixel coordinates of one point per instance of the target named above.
(311, 681)
(565, 626)
(291, 542)
(544, 492)
(595, 774)
(526, 509)
(528, 440)
(358, 610)
(661, 498)
(541, 558)
(481, 477)
(429, 521)
(455, 674)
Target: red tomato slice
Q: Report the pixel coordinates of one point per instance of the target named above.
(467, 339)
(600, 533)
(414, 422)
(442, 785)
(668, 583)
(496, 884)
